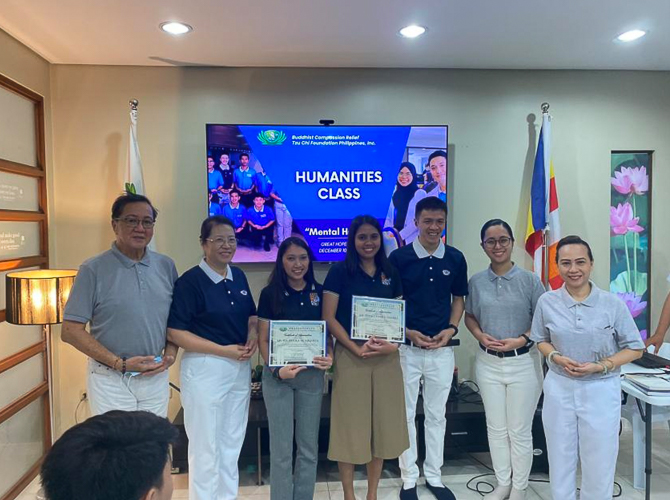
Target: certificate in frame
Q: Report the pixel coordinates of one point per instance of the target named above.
(296, 342)
(375, 317)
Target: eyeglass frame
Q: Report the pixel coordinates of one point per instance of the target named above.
(143, 222)
(497, 242)
(232, 242)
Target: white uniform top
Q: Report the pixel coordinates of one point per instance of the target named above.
(586, 331)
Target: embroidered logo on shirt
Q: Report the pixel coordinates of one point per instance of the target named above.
(446, 272)
(385, 281)
(243, 292)
(314, 298)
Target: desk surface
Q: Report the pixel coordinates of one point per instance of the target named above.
(630, 388)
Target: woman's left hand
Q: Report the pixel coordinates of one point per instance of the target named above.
(378, 347)
(584, 369)
(323, 362)
(512, 343)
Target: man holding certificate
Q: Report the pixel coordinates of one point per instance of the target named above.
(435, 283)
(293, 343)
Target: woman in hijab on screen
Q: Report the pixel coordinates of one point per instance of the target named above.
(405, 188)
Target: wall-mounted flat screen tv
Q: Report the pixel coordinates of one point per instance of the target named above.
(276, 181)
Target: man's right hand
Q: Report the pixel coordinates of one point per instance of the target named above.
(656, 340)
(419, 339)
(490, 342)
(139, 364)
(236, 352)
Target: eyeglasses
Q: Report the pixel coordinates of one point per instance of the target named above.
(134, 222)
(219, 242)
(491, 243)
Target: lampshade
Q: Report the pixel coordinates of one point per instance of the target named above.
(38, 297)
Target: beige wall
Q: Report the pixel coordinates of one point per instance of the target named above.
(491, 145)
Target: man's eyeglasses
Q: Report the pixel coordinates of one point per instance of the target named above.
(219, 242)
(134, 222)
(491, 243)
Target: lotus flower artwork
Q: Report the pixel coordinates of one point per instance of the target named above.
(629, 233)
(631, 180)
(622, 220)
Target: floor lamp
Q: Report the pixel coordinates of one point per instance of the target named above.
(38, 298)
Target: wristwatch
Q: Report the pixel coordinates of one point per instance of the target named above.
(528, 341)
(454, 327)
(275, 372)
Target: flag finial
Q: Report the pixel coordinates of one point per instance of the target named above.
(545, 107)
(133, 104)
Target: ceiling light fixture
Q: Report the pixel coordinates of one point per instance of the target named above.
(175, 28)
(412, 31)
(631, 35)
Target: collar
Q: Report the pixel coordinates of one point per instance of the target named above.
(127, 261)
(259, 211)
(244, 169)
(589, 301)
(422, 253)
(507, 276)
(234, 208)
(292, 291)
(213, 275)
(227, 167)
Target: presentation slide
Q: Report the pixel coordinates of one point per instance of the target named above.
(276, 181)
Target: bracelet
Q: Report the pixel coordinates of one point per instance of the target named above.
(551, 355)
(115, 362)
(275, 372)
(123, 366)
(603, 366)
(450, 325)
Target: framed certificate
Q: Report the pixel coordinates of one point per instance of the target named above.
(296, 342)
(381, 318)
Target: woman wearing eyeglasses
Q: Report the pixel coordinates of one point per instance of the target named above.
(586, 334)
(499, 312)
(213, 318)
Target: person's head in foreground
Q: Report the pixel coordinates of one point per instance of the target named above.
(115, 456)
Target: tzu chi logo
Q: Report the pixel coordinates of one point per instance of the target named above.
(272, 137)
(385, 281)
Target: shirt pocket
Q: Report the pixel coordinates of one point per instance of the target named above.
(603, 342)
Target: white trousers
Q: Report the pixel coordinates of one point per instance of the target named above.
(110, 390)
(215, 395)
(581, 421)
(436, 368)
(510, 389)
(284, 222)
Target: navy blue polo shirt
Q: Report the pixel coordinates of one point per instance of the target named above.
(430, 282)
(227, 176)
(211, 306)
(339, 282)
(238, 214)
(244, 179)
(296, 305)
(260, 218)
(263, 184)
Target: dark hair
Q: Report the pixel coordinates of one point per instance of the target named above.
(573, 240)
(496, 222)
(278, 281)
(258, 195)
(436, 154)
(234, 191)
(215, 197)
(352, 260)
(244, 154)
(210, 222)
(127, 198)
(430, 203)
(116, 456)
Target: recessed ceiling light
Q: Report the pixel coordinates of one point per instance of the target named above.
(631, 35)
(412, 31)
(175, 28)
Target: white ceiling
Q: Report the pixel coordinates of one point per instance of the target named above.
(514, 34)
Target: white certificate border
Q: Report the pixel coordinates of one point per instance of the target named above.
(354, 298)
(322, 324)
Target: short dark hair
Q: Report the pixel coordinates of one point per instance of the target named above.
(115, 456)
(212, 221)
(573, 240)
(259, 195)
(430, 203)
(496, 222)
(234, 191)
(244, 154)
(128, 198)
(351, 259)
(436, 154)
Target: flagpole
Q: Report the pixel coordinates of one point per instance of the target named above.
(545, 232)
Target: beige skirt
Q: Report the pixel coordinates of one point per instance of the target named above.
(367, 416)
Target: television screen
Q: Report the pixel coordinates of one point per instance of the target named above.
(276, 181)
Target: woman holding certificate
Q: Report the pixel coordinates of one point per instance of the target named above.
(499, 312)
(368, 422)
(213, 318)
(291, 331)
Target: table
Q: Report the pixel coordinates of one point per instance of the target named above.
(649, 400)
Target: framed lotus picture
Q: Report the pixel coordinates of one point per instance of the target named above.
(630, 232)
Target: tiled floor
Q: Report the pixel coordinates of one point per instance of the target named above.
(456, 474)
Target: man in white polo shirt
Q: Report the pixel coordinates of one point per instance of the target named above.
(124, 294)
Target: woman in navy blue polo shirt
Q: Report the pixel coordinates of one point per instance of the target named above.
(213, 318)
(368, 422)
(292, 392)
